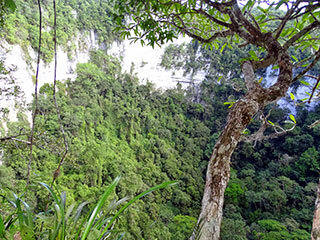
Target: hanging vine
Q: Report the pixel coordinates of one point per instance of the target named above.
(35, 107)
(57, 171)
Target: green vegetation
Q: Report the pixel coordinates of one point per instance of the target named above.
(117, 127)
(67, 222)
(75, 21)
(6, 7)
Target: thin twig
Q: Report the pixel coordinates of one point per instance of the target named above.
(314, 124)
(14, 136)
(259, 135)
(311, 65)
(17, 147)
(57, 171)
(314, 89)
(21, 140)
(35, 108)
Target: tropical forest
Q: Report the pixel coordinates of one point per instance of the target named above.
(219, 140)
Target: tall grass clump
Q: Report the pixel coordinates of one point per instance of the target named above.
(61, 222)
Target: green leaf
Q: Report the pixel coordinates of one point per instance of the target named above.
(219, 79)
(229, 103)
(216, 45)
(223, 47)
(160, 186)
(292, 96)
(261, 9)
(59, 211)
(98, 207)
(295, 58)
(253, 55)
(260, 80)
(55, 198)
(121, 236)
(271, 122)
(292, 118)
(249, 4)
(243, 60)
(305, 83)
(29, 215)
(245, 131)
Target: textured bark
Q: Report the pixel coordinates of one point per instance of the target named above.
(315, 233)
(218, 172)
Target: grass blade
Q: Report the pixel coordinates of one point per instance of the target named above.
(59, 209)
(29, 220)
(2, 228)
(76, 217)
(197, 231)
(160, 186)
(68, 213)
(121, 236)
(113, 205)
(54, 196)
(99, 206)
(79, 210)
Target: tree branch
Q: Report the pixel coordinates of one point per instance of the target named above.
(314, 89)
(300, 34)
(14, 136)
(217, 21)
(309, 8)
(311, 65)
(199, 38)
(221, 7)
(314, 124)
(259, 135)
(285, 20)
(246, 23)
(249, 76)
(264, 63)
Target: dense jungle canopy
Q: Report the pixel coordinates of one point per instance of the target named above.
(116, 126)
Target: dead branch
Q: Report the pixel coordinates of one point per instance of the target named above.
(259, 135)
(314, 89)
(316, 123)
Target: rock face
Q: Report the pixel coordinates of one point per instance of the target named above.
(144, 62)
(22, 73)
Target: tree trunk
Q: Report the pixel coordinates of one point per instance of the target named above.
(218, 172)
(315, 232)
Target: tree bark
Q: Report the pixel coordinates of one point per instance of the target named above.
(218, 172)
(315, 232)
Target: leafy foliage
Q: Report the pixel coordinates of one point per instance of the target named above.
(65, 223)
(74, 23)
(117, 127)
